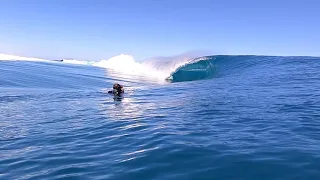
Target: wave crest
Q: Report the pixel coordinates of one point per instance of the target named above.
(7, 57)
(175, 68)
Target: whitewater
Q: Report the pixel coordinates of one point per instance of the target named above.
(225, 117)
(154, 68)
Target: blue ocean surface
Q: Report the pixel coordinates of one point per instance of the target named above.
(213, 117)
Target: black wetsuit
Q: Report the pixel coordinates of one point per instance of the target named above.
(116, 92)
(117, 89)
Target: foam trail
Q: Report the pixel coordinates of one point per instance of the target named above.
(126, 64)
(80, 62)
(7, 57)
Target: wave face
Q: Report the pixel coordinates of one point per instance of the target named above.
(200, 68)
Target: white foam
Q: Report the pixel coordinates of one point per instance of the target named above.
(156, 68)
(126, 64)
(74, 61)
(7, 57)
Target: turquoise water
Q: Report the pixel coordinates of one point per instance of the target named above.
(220, 117)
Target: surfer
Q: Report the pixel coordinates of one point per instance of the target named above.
(117, 89)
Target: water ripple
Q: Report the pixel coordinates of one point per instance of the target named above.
(260, 122)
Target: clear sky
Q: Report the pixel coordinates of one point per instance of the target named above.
(100, 29)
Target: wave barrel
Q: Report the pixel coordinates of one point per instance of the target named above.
(203, 69)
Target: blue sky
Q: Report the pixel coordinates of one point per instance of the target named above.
(100, 29)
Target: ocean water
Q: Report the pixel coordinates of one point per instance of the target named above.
(214, 117)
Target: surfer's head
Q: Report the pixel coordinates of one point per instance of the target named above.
(118, 88)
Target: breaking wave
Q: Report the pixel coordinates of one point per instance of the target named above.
(174, 69)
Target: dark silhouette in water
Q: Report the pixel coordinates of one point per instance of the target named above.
(118, 89)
